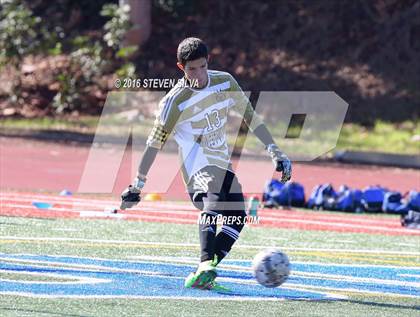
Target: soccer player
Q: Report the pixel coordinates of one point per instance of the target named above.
(195, 111)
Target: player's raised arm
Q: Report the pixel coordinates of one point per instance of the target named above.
(243, 106)
(166, 119)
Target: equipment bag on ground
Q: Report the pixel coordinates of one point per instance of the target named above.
(348, 199)
(393, 203)
(322, 197)
(373, 198)
(279, 194)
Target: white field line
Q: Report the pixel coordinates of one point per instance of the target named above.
(408, 245)
(279, 219)
(81, 267)
(75, 279)
(241, 246)
(410, 275)
(65, 229)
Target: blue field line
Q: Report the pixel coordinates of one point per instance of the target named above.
(167, 281)
(368, 271)
(154, 278)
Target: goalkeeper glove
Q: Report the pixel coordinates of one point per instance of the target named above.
(131, 195)
(281, 162)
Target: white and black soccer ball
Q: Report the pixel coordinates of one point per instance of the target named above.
(271, 267)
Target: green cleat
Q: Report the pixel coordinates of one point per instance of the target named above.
(203, 277)
(214, 286)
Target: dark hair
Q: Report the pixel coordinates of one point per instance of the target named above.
(190, 49)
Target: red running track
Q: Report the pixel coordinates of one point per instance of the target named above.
(20, 204)
(42, 166)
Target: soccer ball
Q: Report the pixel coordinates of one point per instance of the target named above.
(271, 267)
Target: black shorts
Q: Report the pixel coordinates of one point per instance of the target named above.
(216, 189)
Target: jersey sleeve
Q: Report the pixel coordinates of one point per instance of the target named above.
(166, 118)
(242, 106)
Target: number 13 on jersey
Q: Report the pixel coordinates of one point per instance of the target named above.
(213, 120)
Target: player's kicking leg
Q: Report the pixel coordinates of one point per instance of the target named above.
(204, 277)
(234, 216)
(206, 193)
(205, 274)
(214, 249)
(227, 237)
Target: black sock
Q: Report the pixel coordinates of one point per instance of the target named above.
(207, 231)
(225, 240)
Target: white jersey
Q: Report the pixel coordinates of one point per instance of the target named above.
(198, 117)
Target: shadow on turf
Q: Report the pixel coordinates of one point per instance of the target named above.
(39, 311)
(383, 305)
